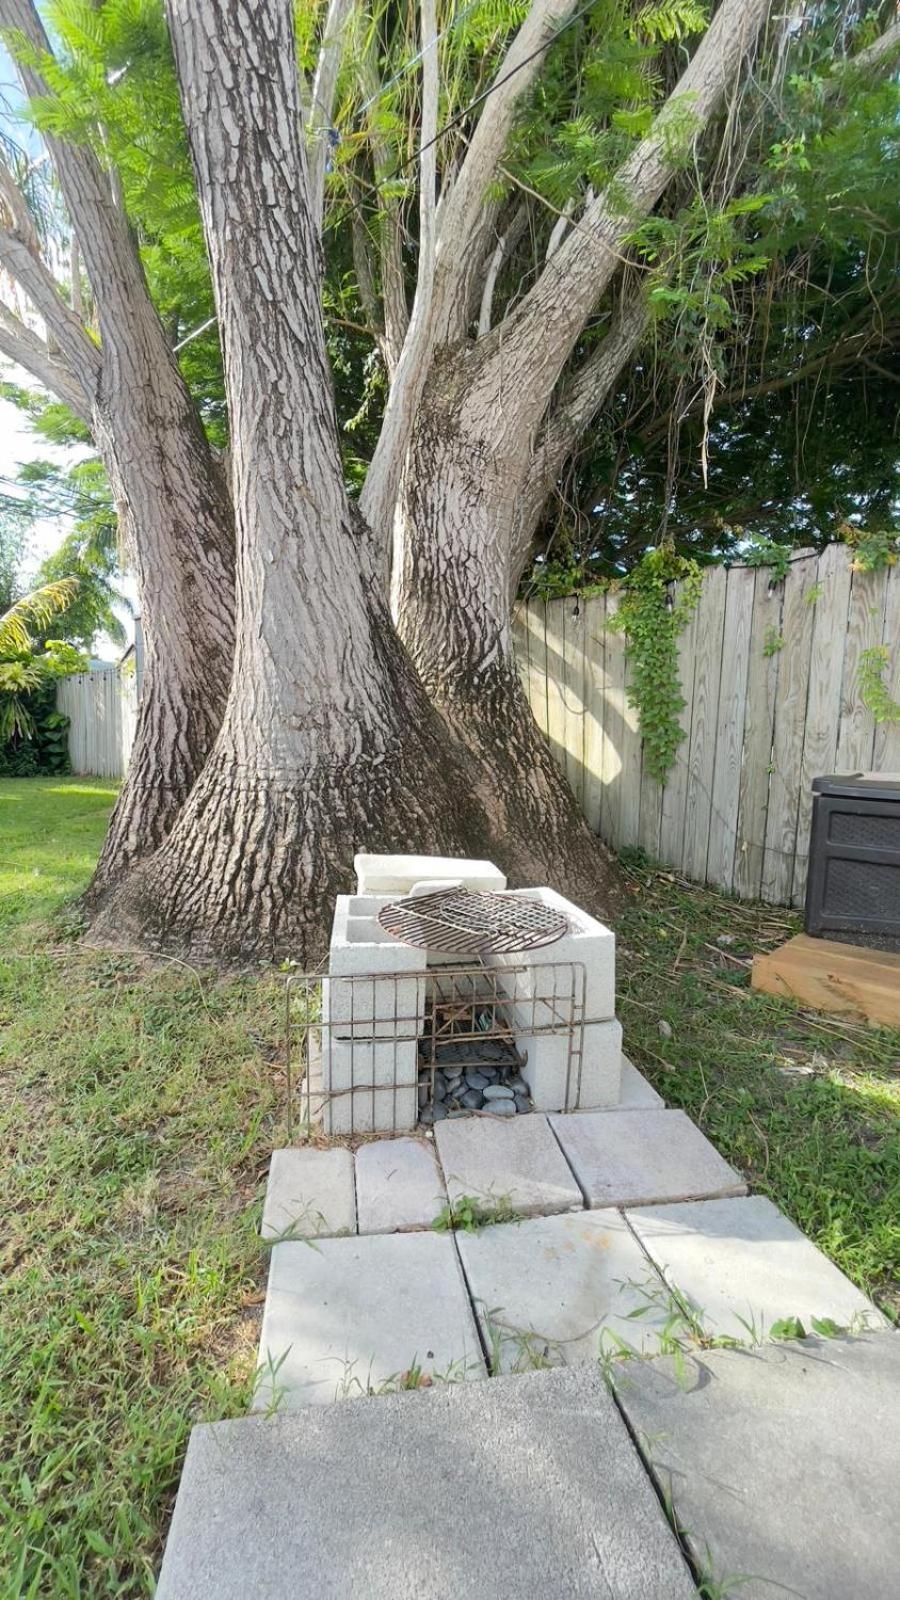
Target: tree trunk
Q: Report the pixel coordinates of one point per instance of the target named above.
(460, 531)
(171, 498)
(328, 744)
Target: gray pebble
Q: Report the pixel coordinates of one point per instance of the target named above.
(456, 1113)
(440, 1112)
(522, 1103)
(501, 1108)
(471, 1098)
(477, 1080)
(426, 1115)
(498, 1091)
(440, 1089)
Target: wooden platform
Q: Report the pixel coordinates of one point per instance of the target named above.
(828, 976)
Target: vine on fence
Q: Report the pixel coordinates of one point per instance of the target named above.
(873, 691)
(651, 615)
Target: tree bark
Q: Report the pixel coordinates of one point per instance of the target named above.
(328, 744)
(170, 495)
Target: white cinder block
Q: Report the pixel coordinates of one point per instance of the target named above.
(559, 1082)
(398, 875)
(375, 984)
(589, 943)
(370, 1085)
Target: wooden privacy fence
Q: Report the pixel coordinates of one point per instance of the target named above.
(770, 676)
(102, 708)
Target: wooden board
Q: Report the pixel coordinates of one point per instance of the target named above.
(823, 699)
(674, 800)
(787, 742)
(865, 622)
(594, 708)
(701, 762)
(729, 738)
(759, 722)
(573, 637)
(887, 734)
(828, 976)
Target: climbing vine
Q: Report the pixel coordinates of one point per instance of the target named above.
(873, 691)
(652, 615)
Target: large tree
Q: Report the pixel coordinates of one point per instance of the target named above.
(501, 331)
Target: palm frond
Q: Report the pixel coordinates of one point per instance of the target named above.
(35, 610)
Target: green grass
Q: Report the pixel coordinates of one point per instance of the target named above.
(139, 1103)
(51, 831)
(137, 1111)
(806, 1104)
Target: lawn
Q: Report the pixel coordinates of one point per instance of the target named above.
(138, 1107)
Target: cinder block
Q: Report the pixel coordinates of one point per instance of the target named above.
(588, 943)
(373, 987)
(370, 1085)
(397, 875)
(556, 1078)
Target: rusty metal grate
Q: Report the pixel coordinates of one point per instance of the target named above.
(457, 922)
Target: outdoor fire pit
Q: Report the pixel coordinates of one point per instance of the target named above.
(454, 1001)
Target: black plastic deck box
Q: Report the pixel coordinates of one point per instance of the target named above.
(853, 882)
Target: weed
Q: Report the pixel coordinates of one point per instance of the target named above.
(470, 1212)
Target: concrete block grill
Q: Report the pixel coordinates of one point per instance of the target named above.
(451, 1001)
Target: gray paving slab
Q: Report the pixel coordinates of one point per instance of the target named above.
(399, 1186)
(636, 1092)
(516, 1160)
(524, 1488)
(650, 1156)
(782, 1463)
(561, 1289)
(310, 1193)
(745, 1266)
(345, 1317)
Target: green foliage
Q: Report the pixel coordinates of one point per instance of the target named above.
(761, 552)
(469, 1212)
(652, 615)
(773, 642)
(873, 691)
(873, 550)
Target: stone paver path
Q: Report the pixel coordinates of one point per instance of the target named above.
(524, 1488)
(516, 1162)
(529, 1485)
(745, 1266)
(658, 1155)
(345, 1317)
(781, 1463)
(556, 1289)
(310, 1194)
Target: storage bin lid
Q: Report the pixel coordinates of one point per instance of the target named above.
(859, 785)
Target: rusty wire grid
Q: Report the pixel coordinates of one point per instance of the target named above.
(358, 1046)
(463, 922)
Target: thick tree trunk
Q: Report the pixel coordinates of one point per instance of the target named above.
(459, 518)
(171, 497)
(328, 744)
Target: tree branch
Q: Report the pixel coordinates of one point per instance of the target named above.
(466, 212)
(504, 248)
(881, 52)
(383, 477)
(81, 356)
(572, 414)
(540, 333)
(321, 112)
(20, 344)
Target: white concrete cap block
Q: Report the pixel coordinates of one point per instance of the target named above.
(646, 1158)
(399, 1187)
(513, 1159)
(310, 1194)
(369, 1085)
(559, 1081)
(351, 1315)
(745, 1266)
(588, 943)
(637, 1094)
(397, 875)
(375, 984)
(554, 1289)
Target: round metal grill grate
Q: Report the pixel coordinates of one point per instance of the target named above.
(455, 922)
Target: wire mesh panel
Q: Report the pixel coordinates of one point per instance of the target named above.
(372, 1052)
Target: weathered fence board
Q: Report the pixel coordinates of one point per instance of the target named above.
(769, 674)
(102, 711)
